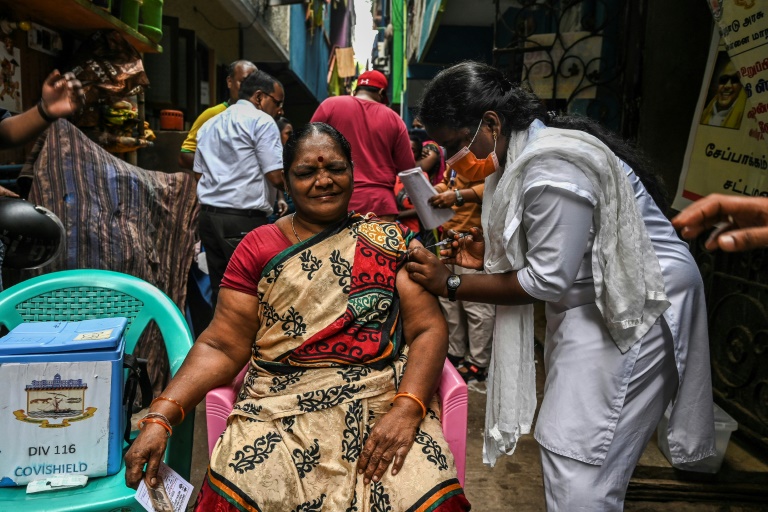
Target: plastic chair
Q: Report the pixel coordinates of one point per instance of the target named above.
(452, 392)
(84, 294)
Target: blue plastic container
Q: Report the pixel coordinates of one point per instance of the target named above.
(61, 410)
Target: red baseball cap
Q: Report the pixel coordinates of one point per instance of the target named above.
(373, 78)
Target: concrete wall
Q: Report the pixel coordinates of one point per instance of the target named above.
(677, 39)
(309, 53)
(225, 43)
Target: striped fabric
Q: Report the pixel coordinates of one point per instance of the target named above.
(117, 217)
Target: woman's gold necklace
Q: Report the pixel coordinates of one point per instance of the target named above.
(293, 227)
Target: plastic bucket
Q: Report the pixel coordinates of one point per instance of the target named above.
(171, 120)
(724, 425)
(129, 13)
(152, 19)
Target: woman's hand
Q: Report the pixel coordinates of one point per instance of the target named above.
(467, 252)
(443, 200)
(148, 448)
(425, 269)
(390, 440)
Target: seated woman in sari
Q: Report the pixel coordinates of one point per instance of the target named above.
(320, 307)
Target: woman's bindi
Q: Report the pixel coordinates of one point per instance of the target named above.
(320, 159)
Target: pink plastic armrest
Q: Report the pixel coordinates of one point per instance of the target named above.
(452, 393)
(453, 398)
(218, 404)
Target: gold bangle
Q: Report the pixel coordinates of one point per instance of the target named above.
(174, 402)
(413, 397)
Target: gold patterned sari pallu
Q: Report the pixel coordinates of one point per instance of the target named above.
(327, 362)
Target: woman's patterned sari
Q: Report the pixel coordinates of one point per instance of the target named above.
(327, 362)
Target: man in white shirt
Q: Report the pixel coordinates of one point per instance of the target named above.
(239, 162)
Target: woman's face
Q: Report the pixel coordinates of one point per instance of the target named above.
(453, 140)
(320, 180)
(286, 133)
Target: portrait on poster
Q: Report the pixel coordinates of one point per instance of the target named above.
(726, 146)
(10, 77)
(726, 98)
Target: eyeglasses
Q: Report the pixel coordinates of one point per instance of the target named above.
(734, 79)
(278, 103)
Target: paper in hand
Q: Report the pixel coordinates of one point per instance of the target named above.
(419, 191)
(172, 495)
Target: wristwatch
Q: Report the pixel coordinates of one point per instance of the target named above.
(459, 198)
(453, 283)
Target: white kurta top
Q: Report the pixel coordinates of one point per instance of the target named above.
(587, 375)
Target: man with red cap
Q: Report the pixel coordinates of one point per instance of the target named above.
(379, 139)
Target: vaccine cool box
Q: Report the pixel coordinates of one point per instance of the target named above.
(61, 405)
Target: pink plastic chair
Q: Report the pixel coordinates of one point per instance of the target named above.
(452, 392)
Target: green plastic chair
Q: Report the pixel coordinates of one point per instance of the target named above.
(81, 295)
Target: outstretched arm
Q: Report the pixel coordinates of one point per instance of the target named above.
(426, 333)
(62, 96)
(742, 222)
(432, 274)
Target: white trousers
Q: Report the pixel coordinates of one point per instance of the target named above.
(572, 485)
(470, 327)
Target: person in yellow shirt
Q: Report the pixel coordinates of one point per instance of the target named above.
(237, 71)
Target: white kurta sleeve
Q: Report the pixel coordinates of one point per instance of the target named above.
(557, 220)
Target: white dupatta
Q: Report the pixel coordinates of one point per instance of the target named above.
(629, 286)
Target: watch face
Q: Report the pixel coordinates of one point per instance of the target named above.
(453, 282)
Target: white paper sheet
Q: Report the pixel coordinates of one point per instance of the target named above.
(179, 490)
(419, 190)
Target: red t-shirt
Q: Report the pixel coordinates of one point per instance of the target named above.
(380, 149)
(251, 256)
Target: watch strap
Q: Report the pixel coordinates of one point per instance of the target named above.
(452, 289)
(459, 198)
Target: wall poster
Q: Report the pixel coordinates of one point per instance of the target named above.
(10, 76)
(728, 143)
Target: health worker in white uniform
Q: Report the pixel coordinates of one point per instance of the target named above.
(568, 220)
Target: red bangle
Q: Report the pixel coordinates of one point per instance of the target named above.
(413, 397)
(158, 421)
(174, 402)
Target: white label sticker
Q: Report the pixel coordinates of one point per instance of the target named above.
(94, 335)
(54, 419)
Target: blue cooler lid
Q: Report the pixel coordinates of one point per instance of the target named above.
(54, 337)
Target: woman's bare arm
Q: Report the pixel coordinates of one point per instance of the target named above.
(221, 351)
(218, 355)
(426, 333)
